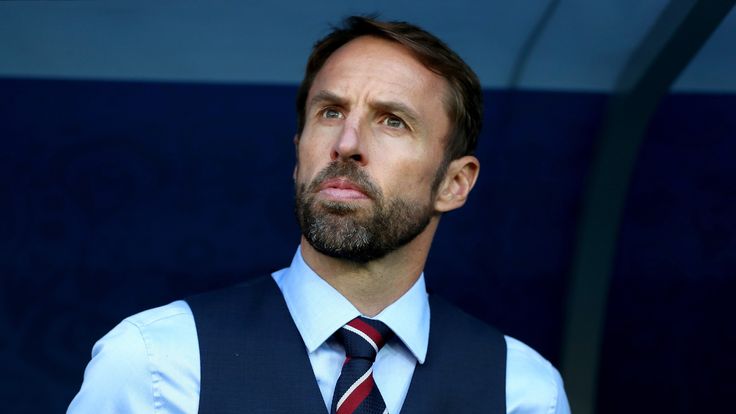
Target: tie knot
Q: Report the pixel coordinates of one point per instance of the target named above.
(363, 337)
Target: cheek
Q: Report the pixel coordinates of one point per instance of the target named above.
(309, 162)
(412, 180)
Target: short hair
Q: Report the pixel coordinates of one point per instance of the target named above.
(465, 104)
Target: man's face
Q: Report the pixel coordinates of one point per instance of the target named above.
(371, 147)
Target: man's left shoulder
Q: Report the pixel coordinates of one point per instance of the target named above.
(533, 384)
(456, 320)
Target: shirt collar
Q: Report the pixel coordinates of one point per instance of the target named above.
(319, 310)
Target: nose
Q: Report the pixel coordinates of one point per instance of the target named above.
(348, 145)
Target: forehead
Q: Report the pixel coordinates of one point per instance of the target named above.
(386, 68)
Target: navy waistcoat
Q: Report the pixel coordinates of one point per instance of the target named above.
(253, 360)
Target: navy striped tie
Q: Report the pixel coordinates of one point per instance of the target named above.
(356, 392)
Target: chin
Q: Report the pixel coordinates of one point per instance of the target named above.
(340, 208)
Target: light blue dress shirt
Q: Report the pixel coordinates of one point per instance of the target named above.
(150, 361)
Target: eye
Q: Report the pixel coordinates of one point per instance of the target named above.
(394, 122)
(330, 113)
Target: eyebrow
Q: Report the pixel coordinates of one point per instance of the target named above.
(401, 109)
(327, 96)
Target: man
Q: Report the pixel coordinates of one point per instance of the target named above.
(388, 119)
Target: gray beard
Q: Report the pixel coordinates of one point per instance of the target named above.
(344, 231)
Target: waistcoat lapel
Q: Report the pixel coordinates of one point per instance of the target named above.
(252, 358)
(465, 368)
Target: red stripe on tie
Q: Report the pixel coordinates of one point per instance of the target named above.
(358, 395)
(368, 330)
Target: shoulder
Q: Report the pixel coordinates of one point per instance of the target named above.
(149, 359)
(232, 308)
(458, 321)
(232, 297)
(533, 385)
(164, 326)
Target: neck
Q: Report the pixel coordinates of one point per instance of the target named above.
(373, 286)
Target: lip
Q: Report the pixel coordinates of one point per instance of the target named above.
(342, 189)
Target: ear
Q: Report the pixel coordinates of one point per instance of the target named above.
(296, 152)
(460, 178)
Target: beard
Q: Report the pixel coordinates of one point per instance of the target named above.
(347, 231)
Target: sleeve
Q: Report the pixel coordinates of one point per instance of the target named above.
(561, 405)
(118, 379)
(533, 385)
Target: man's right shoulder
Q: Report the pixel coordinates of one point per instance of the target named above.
(177, 311)
(165, 330)
(147, 360)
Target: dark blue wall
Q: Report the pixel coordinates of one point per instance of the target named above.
(116, 197)
(670, 335)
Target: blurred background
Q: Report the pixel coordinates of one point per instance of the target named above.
(147, 155)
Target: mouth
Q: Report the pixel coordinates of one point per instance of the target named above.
(342, 189)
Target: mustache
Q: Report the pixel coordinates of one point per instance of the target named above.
(350, 171)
